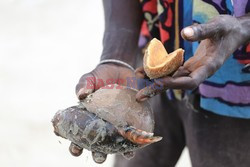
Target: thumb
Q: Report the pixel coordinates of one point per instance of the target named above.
(200, 32)
(140, 73)
(85, 86)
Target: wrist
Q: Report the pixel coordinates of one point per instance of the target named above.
(120, 45)
(245, 27)
(115, 61)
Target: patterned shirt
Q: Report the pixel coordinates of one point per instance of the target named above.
(227, 92)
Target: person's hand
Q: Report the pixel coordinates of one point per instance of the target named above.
(219, 38)
(102, 75)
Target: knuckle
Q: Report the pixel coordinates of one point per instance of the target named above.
(84, 80)
(167, 81)
(214, 65)
(194, 84)
(159, 85)
(223, 23)
(198, 29)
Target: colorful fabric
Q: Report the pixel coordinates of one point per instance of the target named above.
(227, 92)
(159, 22)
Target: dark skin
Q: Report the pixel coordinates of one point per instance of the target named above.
(120, 42)
(219, 38)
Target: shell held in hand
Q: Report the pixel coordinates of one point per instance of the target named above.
(158, 63)
(108, 121)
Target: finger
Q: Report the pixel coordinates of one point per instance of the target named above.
(161, 85)
(99, 157)
(200, 32)
(185, 82)
(85, 86)
(129, 155)
(75, 150)
(182, 71)
(150, 91)
(200, 74)
(140, 73)
(188, 82)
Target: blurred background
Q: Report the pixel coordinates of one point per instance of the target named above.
(45, 46)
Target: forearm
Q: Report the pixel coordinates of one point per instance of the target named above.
(122, 27)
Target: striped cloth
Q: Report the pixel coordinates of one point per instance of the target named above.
(227, 92)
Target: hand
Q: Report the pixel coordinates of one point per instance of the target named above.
(102, 75)
(120, 39)
(219, 38)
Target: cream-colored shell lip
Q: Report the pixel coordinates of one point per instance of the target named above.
(166, 63)
(168, 58)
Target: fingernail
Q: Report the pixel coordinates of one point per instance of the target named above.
(129, 155)
(75, 150)
(188, 32)
(144, 99)
(99, 157)
(141, 98)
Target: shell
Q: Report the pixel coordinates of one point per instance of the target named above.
(119, 107)
(158, 63)
(108, 121)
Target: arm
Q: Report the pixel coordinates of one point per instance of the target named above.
(219, 38)
(122, 27)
